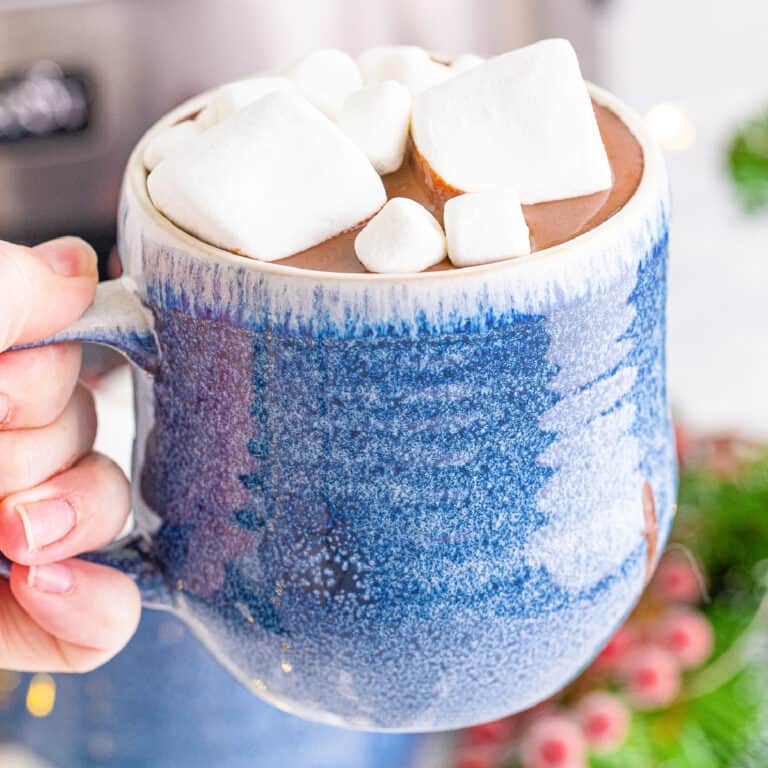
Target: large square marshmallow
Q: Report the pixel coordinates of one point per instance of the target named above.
(402, 237)
(377, 118)
(274, 179)
(522, 120)
(482, 227)
(407, 64)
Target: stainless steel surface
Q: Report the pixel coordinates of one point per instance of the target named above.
(65, 183)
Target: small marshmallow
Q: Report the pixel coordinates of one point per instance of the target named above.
(272, 180)
(233, 97)
(376, 118)
(466, 61)
(403, 237)
(327, 77)
(523, 119)
(407, 64)
(169, 140)
(482, 227)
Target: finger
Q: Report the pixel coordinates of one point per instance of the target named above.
(81, 509)
(44, 289)
(66, 617)
(30, 456)
(36, 384)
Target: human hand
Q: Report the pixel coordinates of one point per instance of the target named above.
(57, 497)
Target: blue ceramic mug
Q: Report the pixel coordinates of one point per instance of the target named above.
(398, 502)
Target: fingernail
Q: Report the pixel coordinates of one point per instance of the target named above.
(46, 521)
(68, 256)
(55, 578)
(5, 410)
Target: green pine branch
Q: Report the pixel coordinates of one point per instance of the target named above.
(748, 162)
(724, 523)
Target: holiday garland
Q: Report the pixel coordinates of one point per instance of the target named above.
(681, 684)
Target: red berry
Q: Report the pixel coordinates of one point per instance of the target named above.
(604, 720)
(677, 579)
(553, 741)
(616, 650)
(488, 733)
(687, 635)
(652, 677)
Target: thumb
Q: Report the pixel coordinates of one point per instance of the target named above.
(44, 289)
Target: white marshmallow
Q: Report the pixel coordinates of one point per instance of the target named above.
(233, 97)
(376, 118)
(482, 227)
(523, 119)
(207, 116)
(326, 77)
(403, 237)
(466, 61)
(272, 180)
(169, 140)
(407, 64)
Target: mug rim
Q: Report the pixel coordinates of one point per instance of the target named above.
(648, 187)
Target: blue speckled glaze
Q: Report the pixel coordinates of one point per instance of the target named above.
(347, 516)
(405, 505)
(404, 502)
(192, 715)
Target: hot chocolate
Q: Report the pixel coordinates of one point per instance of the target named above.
(350, 167)
(550, 223)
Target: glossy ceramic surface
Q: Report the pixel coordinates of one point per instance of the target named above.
(402, 502)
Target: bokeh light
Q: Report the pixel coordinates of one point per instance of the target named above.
(671, 126)
(41, 695)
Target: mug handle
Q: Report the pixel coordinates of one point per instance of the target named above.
(118, 319)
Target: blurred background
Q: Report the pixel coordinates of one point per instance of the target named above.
(80, 81)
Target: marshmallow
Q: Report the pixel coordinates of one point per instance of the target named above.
(376, 118)
(466, 61)
(327, 77)
(169, 140)
(407, 64)
(523, 119)
(272, 180)
(403, 237)
(482, 227)
(233, 97)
